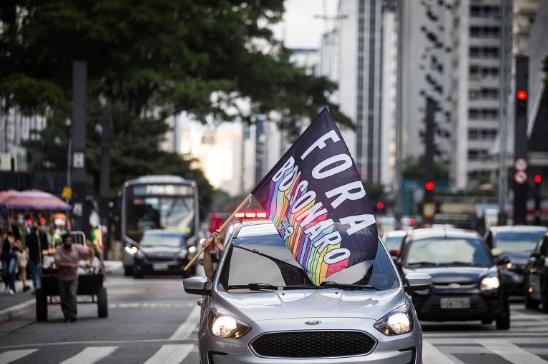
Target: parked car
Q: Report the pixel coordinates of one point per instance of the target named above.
(466, 282)
(162, 251)
(393, 240)
(536, 276)
(516, 243)
(262, 308)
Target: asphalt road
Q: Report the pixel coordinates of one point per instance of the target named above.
(153, 321)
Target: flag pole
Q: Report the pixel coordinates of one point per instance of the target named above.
(216, 233)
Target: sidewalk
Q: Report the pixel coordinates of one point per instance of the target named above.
(23, 303)
(18, 304)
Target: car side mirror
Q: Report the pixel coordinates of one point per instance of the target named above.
(417, 281)
(197, 285)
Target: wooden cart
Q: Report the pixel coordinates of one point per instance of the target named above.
(91, 287)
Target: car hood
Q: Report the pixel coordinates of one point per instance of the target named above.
(446, 275)
(316, 303)
(158, 251)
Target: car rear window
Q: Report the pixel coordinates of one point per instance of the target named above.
(517, 241)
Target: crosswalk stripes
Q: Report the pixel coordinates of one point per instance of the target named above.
(432, 355)
(90, 355)
(170, 354)
(511, 352)
(13, 355)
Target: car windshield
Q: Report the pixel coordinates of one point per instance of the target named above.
(447, 251)
(263, 262)
(517, 241)
(393, 241)
(161, 239)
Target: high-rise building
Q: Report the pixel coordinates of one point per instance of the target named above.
(476, 85)
(426, 73)
(352, 55)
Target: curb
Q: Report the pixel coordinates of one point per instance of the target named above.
(21, 309)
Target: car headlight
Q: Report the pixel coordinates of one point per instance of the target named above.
(131, 249)
(227, 327)
(397, 322)
(192, 250)
(182, 254)
(489, 283)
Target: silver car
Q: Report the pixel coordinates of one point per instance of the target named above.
(262, 308)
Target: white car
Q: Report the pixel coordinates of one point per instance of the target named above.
(262, 308)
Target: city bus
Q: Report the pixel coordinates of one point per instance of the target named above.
(157, 202)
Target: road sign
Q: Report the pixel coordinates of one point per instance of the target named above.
(428, 209)
(520, 164)
(520, 177)
(67, 193)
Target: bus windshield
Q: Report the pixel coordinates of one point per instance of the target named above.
(160, 206)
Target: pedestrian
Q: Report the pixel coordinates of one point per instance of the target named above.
(9, 262)
(22, 261)
(67, 256)
(36, 242)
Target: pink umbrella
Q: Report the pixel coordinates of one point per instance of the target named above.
(32, 199)
(5, 194)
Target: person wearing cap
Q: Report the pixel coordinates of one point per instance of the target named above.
(67, 257)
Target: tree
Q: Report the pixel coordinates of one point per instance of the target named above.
(149, 59)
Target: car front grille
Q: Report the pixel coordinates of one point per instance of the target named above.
(313, 344)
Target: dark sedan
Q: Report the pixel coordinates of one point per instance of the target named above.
(466, 282)
(536, 276)
(516, 243)
(162, 251)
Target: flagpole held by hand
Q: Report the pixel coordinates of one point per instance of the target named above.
(217, 234)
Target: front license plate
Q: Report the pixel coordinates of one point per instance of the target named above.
(160, 266)
(455, 302)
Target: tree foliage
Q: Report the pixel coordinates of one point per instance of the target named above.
(148, 59)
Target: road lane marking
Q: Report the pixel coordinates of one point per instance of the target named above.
(170, 354)
(91, 355)
(511, 352)
(432, 355)
(186, 328)
(13, 355)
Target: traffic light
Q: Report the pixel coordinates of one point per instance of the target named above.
(379, 207)
(520, 185)
(429, 186)
(538, 179)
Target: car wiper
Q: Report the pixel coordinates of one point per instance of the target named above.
(331, 284)
(421, 264)
(457, 263)
(256, 286)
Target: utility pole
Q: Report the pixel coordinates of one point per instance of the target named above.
(399, 120)
(521, 185)
(104, 189)
(80, 208)
(503, 116)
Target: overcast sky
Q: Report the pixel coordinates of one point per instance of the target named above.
(301, 28)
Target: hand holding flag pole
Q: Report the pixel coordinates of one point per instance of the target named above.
(215, 237)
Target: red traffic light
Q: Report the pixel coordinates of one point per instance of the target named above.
(537, 179)
(429, 186)
(380, 205)
(521, 95)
